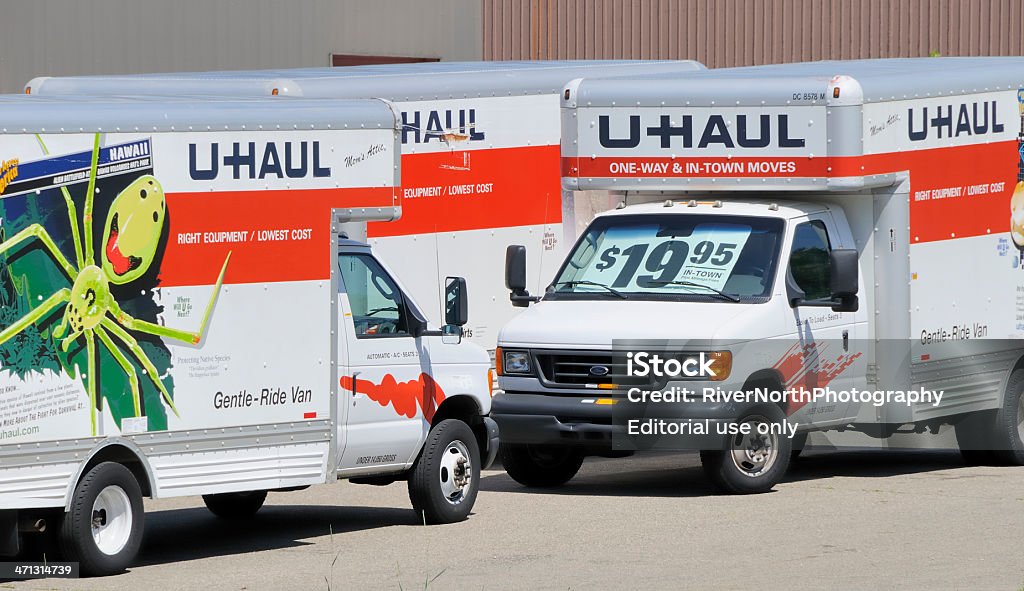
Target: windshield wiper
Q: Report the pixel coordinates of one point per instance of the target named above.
(610, 290)
(727, 296)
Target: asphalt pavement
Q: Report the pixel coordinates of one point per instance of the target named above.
(841, 520)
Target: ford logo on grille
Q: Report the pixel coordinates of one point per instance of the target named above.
(599, 370)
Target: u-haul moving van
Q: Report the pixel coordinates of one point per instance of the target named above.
(480, 161)
(845, 235)
(181, 315)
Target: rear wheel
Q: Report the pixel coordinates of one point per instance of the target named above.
(237, 505)
(541, 466)
(996, 437)
(446, 477)
(103, 529)
(753, 462)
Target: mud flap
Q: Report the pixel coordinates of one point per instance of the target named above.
(492, 442)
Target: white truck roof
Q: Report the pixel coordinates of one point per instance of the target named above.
(765, 208)
(77, 114)
(807, 126)
(421, 81)
(879, 80)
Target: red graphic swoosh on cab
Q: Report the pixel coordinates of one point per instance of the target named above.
(805, 366)
(405, 397)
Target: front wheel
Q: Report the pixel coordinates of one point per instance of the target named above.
(103, 529)
(752, 462)
(237, 505)
(540, 466)
(446, 477)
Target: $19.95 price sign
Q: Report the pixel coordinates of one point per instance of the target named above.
(637, 257)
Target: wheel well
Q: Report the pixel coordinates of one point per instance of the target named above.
(1018, 365)
(465, 409)
(765, 378)
(120, 454)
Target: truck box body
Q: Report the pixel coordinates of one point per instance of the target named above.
(906, 176)
(480, 144)
(930, 147)
(250, 191)
(182, 313)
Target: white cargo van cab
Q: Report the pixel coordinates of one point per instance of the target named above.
(843, 226)
(182, 313)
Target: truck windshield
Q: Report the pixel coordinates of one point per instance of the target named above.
(727, 258)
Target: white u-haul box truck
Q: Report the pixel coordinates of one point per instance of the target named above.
(480, 165)
(180, 314)
(843, 239)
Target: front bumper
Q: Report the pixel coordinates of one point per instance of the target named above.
(542, 419)
(576, 420)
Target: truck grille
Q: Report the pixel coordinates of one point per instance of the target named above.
(579, 368)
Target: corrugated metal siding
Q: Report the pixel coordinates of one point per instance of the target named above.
(68, 37)
(723, 33)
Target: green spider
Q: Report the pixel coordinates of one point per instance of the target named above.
(131, 235)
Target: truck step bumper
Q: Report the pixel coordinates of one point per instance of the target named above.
(547, 429)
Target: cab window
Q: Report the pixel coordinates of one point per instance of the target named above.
(378, 309)
(809, 260)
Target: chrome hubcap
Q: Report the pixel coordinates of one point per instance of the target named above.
(456, 472)
(754, 454)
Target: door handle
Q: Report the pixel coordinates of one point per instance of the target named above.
(355, 389)
(846, 343)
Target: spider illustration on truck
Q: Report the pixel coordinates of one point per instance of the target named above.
(131, 235)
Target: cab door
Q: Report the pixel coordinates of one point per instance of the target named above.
(379, 378)
(829, 349)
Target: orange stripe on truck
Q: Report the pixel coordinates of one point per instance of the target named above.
(477, 190)
(272, 235)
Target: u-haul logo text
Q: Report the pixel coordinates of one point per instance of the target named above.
(949, 121)
(715, 130)
(256, 160)
(420, 127)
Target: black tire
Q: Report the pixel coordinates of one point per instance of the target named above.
(974, 437)
(1008, 427)
(120, 490)
(442, 487)
(737, 472)
(540, 466)
(994, 438)
(236, 505)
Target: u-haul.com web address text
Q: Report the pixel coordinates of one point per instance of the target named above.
(800, 396)
(19, 432)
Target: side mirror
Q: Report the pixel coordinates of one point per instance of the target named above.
(843, 281)
(456, 304)
(515, 268)
(451, 334)
(515, 276)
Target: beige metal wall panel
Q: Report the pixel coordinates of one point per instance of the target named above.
(723, 33)
(68, 37)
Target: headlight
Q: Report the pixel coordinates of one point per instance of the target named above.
(721, 364)
(516, 362)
